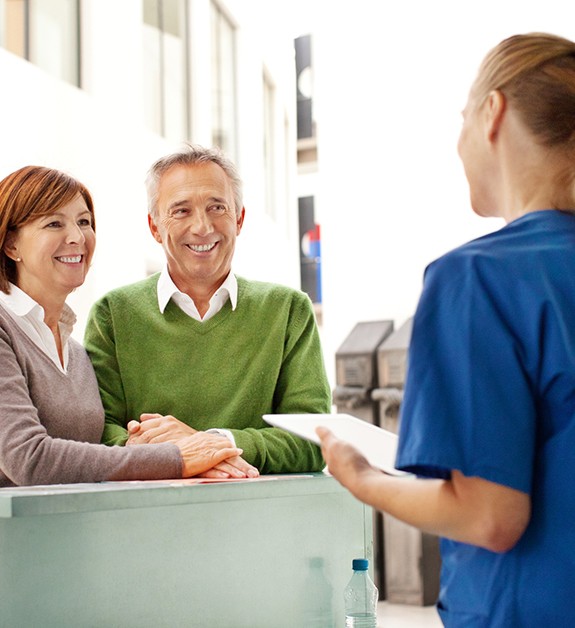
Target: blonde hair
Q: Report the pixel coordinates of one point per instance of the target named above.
(536, 74)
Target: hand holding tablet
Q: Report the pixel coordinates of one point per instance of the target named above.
(379, 446)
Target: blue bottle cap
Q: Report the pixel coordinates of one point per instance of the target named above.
(360, 564)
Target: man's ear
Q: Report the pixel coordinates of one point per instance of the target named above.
(495, 108)
(240, 221)
(154, 229)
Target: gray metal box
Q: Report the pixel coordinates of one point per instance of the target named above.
(392, 357)
(355, 360)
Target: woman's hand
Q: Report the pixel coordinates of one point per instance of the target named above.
(235, 467)
(202, 451)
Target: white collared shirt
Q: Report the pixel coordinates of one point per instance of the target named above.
(167, 290)
(29, 316)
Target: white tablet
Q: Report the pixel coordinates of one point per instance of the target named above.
(379, 446)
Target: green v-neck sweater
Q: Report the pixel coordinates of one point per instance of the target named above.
(263, 357)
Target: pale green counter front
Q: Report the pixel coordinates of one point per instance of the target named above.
(262, 553)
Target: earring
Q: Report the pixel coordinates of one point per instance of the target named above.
(18, 259)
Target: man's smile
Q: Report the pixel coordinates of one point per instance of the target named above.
(201, 248)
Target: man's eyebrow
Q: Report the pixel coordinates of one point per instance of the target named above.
(176, 204)
(186, 202)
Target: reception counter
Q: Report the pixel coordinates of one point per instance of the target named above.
(269, 553)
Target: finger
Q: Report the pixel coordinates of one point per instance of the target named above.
(147, 434)
(219, 455)
(232, 470)
(323, 432)
(214, 473)
(226, 468)
(146, 416)
(326, 440)
(252, 472)
(137, 439)
(133, 427)
(159, 435)
(243, 467)
(150, 424)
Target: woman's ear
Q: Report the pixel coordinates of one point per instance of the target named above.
(495, 108)
(10, 248)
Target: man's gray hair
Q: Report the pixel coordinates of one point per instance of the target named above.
(190, 155)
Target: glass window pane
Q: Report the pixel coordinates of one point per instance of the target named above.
(175, 92)
(152, 66)
(173, 17)
(13, 26)
(151, 13)
(166, 68)
(224, 83)
(54, 37)
(269, 147)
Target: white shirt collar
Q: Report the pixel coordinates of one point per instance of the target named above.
(20, 303)
(29, 315)
(167, 290)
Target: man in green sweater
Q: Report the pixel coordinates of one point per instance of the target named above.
(197, 348)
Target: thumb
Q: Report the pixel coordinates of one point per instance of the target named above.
(133, 427)
(323, 432)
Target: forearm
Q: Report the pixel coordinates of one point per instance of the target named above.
(30, 456)
(468, 510)
(426, 504)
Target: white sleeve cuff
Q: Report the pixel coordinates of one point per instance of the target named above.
(226, 433)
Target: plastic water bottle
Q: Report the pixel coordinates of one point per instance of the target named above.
(360, 597)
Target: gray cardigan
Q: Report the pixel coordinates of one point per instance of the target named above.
(51, 422)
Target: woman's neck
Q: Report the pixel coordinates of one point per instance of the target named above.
(531, 176)
(53, 307)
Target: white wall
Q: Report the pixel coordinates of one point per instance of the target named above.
(267, 249)
(390, 82)
(97, 135)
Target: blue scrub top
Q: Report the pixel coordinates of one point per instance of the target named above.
(490, 391)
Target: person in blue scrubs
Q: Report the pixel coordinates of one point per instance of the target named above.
(487, 421)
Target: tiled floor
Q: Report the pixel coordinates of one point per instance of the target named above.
(405, 616)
